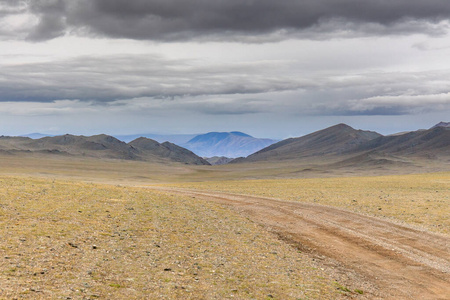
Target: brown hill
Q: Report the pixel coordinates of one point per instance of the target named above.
(341, 147)
(149, 148)
(330, 141)
(431, 142)
(442, 124)
(100, 146)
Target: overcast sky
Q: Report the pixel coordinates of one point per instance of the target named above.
(268, 68)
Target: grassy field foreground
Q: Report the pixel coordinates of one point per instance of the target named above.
(69, 240)
(422, 199)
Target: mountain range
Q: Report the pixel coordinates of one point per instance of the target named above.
(221, 144)
(336, 146)
(100, 146)
(178, 139)
(358, 146)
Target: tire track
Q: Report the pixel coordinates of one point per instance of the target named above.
(401, 262)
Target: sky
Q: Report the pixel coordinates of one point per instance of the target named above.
(268, 68)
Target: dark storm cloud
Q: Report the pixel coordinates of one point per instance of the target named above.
(52, 16)
(242, 20)
(105, 79)
(11, 8)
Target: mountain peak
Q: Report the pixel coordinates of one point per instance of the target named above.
(442, 124)
(149, 147)
(335, 139)
(228, 144)
(238, 133)
(342, 126)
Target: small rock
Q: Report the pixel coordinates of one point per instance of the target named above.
(72, 245)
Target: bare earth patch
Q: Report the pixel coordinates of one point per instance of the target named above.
(69, 240)
(421, 200)
(391, 261)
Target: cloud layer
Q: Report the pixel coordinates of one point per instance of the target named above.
(260, 63)
(235, 20)
(106, 79)
(157, 83)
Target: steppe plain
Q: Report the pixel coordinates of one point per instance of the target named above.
(83, 228)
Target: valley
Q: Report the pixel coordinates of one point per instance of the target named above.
(338, 214)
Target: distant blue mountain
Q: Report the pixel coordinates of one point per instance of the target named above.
(228, 144)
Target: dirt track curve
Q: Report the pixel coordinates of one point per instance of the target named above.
(396, 262)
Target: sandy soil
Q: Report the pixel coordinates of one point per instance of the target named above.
(385, 260)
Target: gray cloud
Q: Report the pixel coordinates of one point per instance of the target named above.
(52, 16)
(205, 105)
(384, 105)
(11, 9)
(105, 79)
(222, 89)
(251, 20)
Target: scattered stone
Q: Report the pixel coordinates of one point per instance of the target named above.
(72, 245)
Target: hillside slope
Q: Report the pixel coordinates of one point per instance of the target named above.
(333, 140)
(148, 148)
(100, 146)
(434, 141)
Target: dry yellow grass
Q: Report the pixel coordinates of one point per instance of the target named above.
(71, 240)
(422, 199)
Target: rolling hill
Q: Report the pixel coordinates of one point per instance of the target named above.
(100, 146)
(160, 138)
(228, 144)
(334, 140)
(149, 148)
(341, 146)
(338, 146)
(431, 142)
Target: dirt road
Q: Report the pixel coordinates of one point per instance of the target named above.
(383, 259)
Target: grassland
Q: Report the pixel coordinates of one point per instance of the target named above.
(64, 237)
(128, 172)
(73, 240)
(420, 199)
